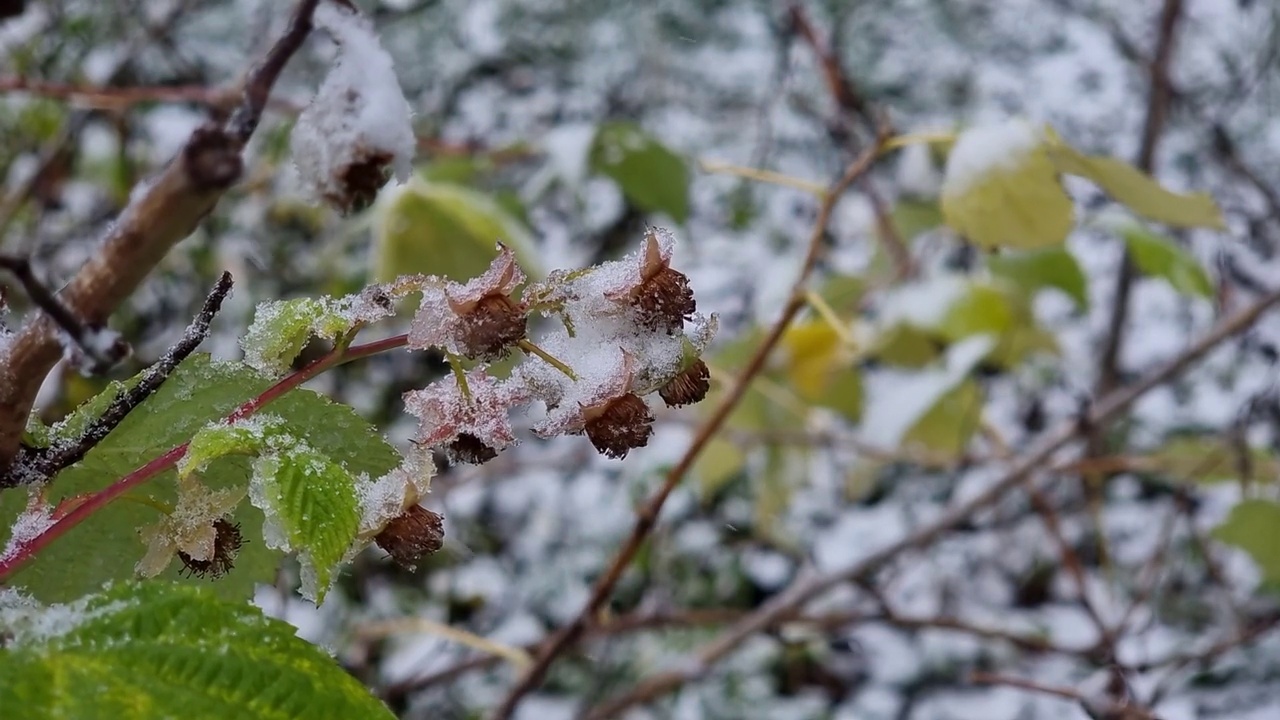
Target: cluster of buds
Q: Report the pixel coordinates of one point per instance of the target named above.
(629, 329)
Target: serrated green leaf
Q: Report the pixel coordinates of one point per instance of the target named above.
(1136, 190)
(1160, 257)
(106, 545)
(1045, 268)
(649, 174)
(1254, 526)
(280, 329)
(437, 228)
(217, 440)
(1005, 197)
(312, 500)
(157, 650)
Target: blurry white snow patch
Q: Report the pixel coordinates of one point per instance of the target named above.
(897, 400)
(359, 112)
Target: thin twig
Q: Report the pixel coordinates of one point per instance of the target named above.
(805, 589)
(648, 515)
(36, 465)
(100, 358)
(1158, 100)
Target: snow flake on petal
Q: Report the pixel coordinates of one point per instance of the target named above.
(470, 427)
(478, 319)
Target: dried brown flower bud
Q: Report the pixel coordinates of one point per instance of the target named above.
(490, 326)
(467, 448)
(618, 425)
(662, 299)
(689, 387)
(415, 533)
(358, 183)
(227, 542)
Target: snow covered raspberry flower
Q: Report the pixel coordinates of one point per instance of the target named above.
(195, 531)
(467, 421)
(479, 319)
(356, 133)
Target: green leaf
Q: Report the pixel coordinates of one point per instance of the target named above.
(1046, 268)
(1210, 460)
(950, 423)
(1161, 257)
(1137, 190)
(906, 345)
(980, 309)
(281, 328)
(157, 650)
(311, 502)
(1254, 526)
(649, 174)
(720, 462)
(912, 218)
(438, 228)
(217, 440)
(106, 545)
(1002, 190)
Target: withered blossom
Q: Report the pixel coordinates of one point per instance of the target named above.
(478, 319)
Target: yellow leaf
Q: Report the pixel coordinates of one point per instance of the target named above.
(1136, 190)
(819, 369)
(1002, 190)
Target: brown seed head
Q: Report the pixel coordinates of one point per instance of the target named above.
(662, 300)
(467, 448)
(618, 425)
(415, 533)
(227, 542)
(360, 182)
(491, 326)
(689, 387)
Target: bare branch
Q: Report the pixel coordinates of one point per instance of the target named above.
(39, 465)
(805, 589)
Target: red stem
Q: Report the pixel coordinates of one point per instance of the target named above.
(25, 551)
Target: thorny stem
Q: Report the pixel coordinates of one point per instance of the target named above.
(17, 556)
(647, 517)
(531, 348)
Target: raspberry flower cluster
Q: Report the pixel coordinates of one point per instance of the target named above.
(628, 329)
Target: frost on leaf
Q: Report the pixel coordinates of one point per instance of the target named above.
(1001, 188)
(470, 425)
(478, 319)
(357, 131)
(189, 529)
(281, 329)
(310, 506)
